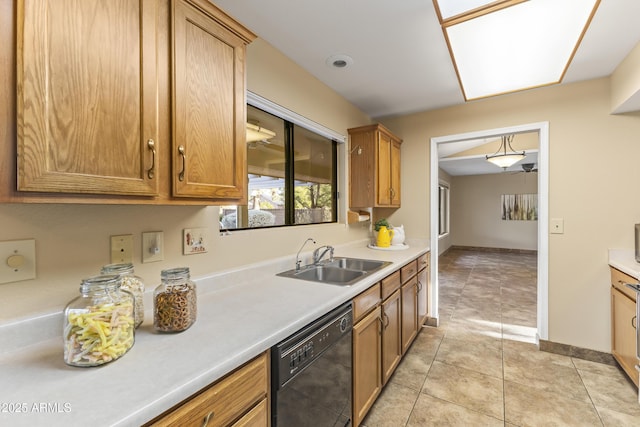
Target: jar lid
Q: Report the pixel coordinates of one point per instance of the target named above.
(102, 282)
(175, 273)
(121, 268)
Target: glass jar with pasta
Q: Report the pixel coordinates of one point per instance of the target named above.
(99, 325)
(174, 301)
(131, 283)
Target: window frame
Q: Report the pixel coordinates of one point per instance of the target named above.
(444, 209)
(291, 120)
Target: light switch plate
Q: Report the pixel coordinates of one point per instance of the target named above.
(17, 260)
(122, 249)
(195, 240)
(152, 246)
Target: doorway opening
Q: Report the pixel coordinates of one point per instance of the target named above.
(542, 130)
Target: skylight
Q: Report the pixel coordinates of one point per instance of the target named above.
(505, 46)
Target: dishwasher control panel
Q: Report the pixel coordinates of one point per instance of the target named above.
(298, 351)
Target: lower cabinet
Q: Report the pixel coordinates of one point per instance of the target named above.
(367, 364)
(239, 399)
(391, 335)
(386, 321)
(409, 279)
(423, 289)
(624, 323)
(409, 313)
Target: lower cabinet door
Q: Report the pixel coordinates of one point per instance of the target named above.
(623, 333)
(391, 333)
(423, 296)
(409, 312)
(367, 364)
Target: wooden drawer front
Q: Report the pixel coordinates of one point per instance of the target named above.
(408, 271)
(390, 284)
(423, 261)
(226, 401)
(257, 417)
(618, 279)
(364, 302)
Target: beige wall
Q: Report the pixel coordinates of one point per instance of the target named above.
(475, 211)
(72, 241)
(593, 174)
(625, 83)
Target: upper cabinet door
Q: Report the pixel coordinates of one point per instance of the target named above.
(384, 170)
(209, 105)
(87, 96)
(395, 174)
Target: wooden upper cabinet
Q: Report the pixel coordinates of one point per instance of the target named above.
(208, 103)
(87, 96)
(374, 167)
(134, 101)
(394, 163)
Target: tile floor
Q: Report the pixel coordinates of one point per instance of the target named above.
(480, 367)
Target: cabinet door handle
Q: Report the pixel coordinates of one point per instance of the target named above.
(634, 322)
(419, 285)
(385, 324)
(206, 419)
(152, 146)
(381, 325)
(184, 159)
(393, 193)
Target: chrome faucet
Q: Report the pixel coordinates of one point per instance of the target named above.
(317, 255)
(298, 254)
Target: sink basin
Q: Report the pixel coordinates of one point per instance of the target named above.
(340, 271)
(356, 264)
(322, 273)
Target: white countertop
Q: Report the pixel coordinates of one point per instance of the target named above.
(625, 261)
(240, 314)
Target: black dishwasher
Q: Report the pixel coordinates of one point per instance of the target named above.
(311, 374)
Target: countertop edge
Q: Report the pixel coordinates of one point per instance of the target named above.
(625, 261)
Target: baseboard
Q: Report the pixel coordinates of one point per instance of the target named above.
(432, 321)
(485, 249)
(578, 352)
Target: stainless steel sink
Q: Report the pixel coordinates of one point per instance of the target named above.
(356, 264)
(339, 271)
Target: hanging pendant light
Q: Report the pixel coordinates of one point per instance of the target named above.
(504, 159)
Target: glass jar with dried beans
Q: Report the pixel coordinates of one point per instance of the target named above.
(131, 283)
(99, 324)
(174, 301)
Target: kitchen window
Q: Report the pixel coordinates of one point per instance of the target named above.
(292, 175)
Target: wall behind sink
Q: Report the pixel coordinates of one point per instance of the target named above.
(72, 241)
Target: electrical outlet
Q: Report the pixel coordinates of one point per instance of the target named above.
(556, 225)
(17, 260)
(152, 246)
(122, 249)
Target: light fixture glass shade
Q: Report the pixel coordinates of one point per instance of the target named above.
(505, 160)
(526, 45)
(256, 133)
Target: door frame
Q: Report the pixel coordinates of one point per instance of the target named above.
(542, 128)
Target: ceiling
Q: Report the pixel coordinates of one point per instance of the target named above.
(401, 63)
